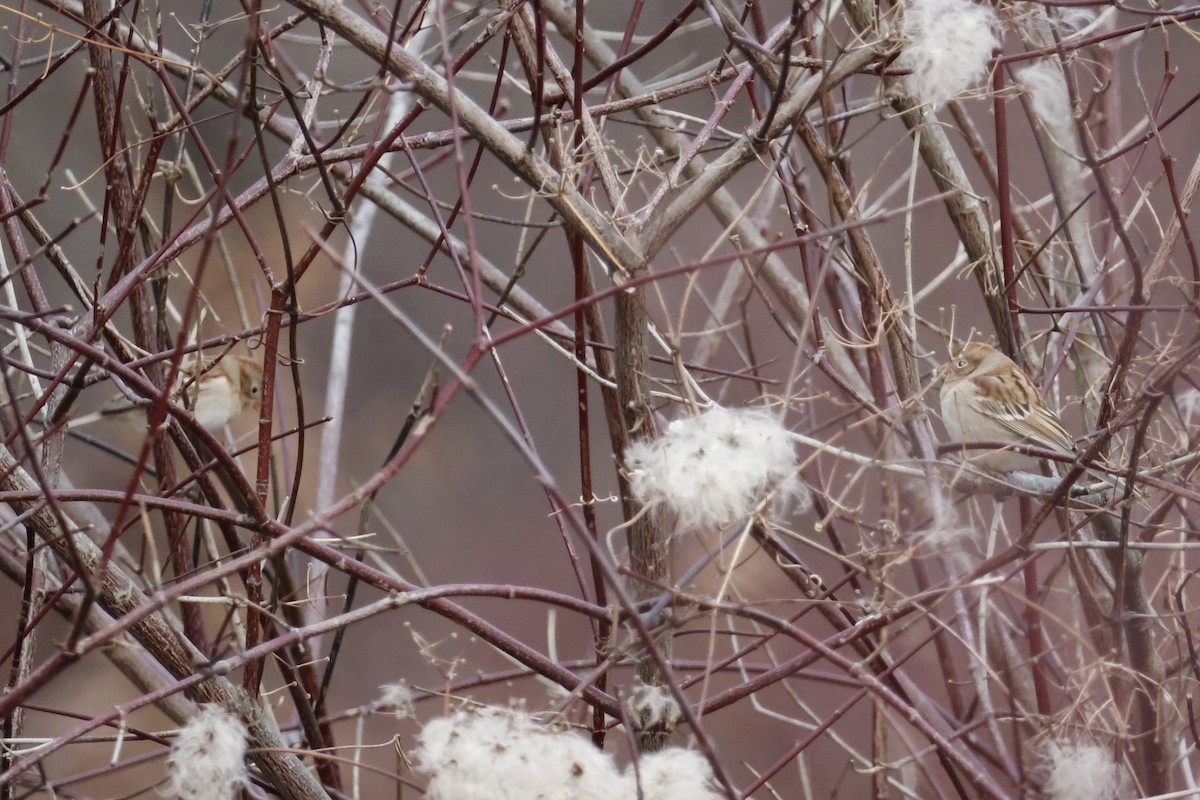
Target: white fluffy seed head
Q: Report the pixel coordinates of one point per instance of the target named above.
(495, 754)
(1078, 771)
(672, 774)
(949, 45)
(712, 469)
(208, 759)
(1047, 90)
(398, 697)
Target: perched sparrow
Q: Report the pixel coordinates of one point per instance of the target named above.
(987, 398)
(214, 393)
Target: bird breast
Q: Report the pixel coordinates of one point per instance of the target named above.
(216, 402)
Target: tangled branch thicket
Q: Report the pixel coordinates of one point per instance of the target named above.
(599, 348)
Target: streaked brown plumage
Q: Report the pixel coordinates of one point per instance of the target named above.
(987, 398)
(213, 393)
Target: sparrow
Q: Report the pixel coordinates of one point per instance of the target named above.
(213, 393)
(985, 397)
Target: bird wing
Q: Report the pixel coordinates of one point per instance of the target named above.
(1026, 416)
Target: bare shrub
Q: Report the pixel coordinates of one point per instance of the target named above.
(599, 346)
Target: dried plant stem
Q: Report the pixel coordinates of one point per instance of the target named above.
(119, 596)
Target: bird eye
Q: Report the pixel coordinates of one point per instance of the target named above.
(961, 363)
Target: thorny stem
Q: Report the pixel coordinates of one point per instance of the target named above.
(731, 182)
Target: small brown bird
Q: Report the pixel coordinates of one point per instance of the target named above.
(987, 398)
(213, 393)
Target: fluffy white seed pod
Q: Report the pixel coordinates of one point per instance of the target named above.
(493, 754)
(949, 45)
(1077, 771)
(208, 759)
(496, 754)
(711, 470)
